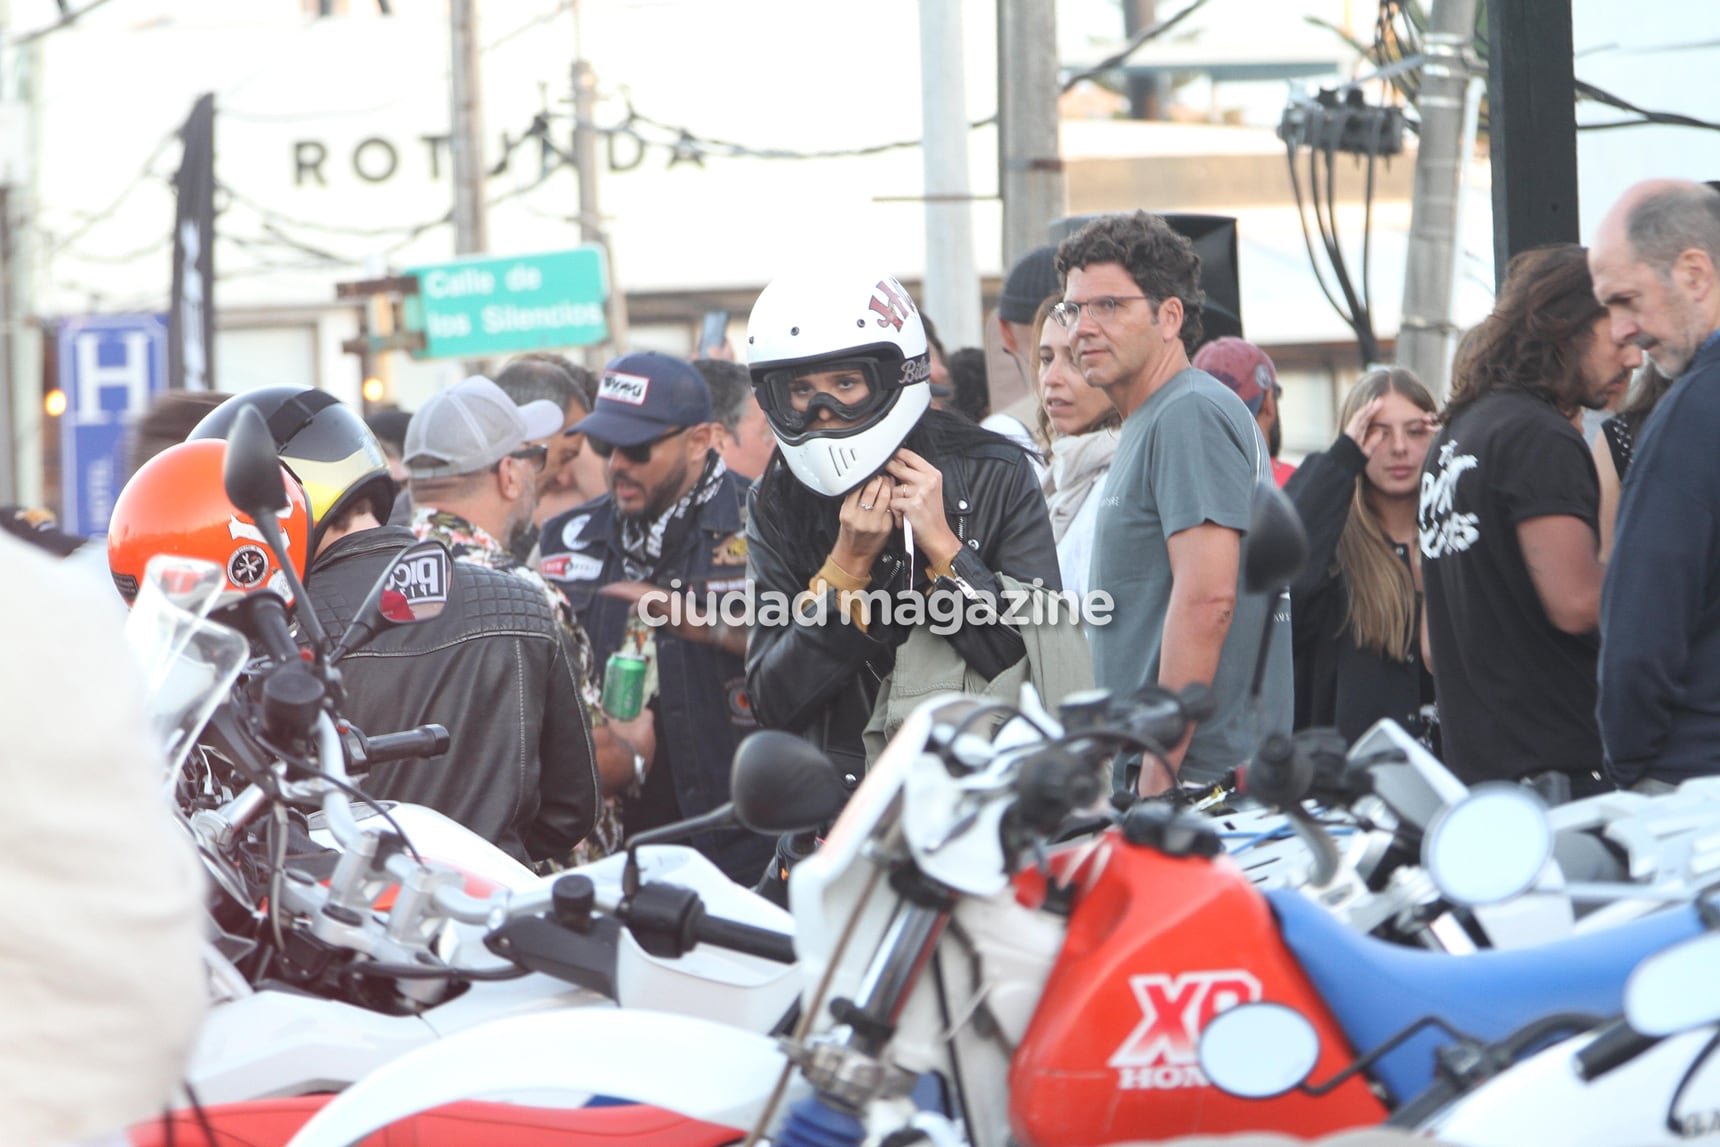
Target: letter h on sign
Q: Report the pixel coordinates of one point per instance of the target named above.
(109, 369)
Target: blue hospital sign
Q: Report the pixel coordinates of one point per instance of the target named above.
(110, 368)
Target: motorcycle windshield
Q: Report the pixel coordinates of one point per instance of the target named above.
(189, 662)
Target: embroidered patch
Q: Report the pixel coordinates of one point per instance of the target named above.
(740, 703)
(570, 533)
(731, 551)
(571, 567)
(628, 388)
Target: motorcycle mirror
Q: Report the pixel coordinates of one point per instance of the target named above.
(1675, 990)
(782, 783)
(414, 588)
(1258, 1051)
(723, 816)
(1489, 846)
(1276, 546)
(251, 477)
(251, 474)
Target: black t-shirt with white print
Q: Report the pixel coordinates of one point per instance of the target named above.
(1516, 694)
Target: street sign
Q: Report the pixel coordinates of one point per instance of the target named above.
(110, 369)
(471, 308)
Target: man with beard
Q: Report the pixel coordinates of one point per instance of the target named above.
(648, 567)
(1654, 263)
(1507, 528)
(495, 666)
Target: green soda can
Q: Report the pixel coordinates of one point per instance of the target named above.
(623, 685)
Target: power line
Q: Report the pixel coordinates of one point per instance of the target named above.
(1667, 119)
(65, 21)
(1142, 37)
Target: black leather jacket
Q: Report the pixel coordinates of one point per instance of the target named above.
(702, 707)
(497, 669)
(820, 680)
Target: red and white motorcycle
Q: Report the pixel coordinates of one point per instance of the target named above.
(346, 932)
(969, 982)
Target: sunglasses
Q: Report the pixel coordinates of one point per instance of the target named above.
(638, 455)
(535, 455)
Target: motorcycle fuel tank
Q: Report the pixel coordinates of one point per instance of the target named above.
(1157, 946)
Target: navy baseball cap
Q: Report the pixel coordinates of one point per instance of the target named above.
(644, 396)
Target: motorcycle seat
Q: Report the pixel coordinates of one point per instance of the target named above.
(1376, 989)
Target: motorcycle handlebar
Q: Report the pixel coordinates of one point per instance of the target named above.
(424, 741)
(747, 939)
(1158, 718)
(1617, 1045)
(269, 618)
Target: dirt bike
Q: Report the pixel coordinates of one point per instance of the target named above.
(970, 982)
(345, 931)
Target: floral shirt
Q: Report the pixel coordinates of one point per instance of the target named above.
(468, 542)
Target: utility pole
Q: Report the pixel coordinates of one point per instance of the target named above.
(466, 130)
(590, 216)
(951, 286)
(1030, 164)
(1425, 340)
(1532, 120)
(1143, 90)
(8, 387)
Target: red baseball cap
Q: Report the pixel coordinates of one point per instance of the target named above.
(1240, 365)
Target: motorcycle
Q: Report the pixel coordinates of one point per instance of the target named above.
(346, 932)
(1647, 1076)
(969, 981)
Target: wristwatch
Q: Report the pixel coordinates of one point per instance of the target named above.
(638, 784)
(955, 582)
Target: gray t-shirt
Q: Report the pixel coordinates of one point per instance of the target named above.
(1190, 454)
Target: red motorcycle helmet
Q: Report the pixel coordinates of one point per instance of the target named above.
(176, 504)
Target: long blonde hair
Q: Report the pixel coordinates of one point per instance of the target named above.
(1381, 590)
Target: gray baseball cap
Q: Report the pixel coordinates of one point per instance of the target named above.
(472, 425)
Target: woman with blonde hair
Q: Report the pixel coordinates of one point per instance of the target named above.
(1356, 608)
(1080, 428)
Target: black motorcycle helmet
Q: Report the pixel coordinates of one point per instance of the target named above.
(323, 442)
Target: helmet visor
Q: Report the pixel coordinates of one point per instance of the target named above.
(824, 397)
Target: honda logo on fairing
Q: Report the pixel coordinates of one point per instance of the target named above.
(1161, 1052)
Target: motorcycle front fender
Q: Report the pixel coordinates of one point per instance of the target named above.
(703, 1070)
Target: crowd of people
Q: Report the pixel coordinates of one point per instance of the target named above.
(653, 561)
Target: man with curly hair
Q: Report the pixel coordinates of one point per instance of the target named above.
(1507, 529)
(1169, 539)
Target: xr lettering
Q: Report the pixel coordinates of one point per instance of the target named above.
(1161, 1052)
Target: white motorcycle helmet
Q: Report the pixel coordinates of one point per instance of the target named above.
(825, 320)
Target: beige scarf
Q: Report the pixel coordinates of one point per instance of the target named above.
(1077, 464)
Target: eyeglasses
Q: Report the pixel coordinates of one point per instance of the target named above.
(638, 455)
(1100, 310)
(536, 455)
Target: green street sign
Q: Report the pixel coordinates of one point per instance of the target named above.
(471, 308)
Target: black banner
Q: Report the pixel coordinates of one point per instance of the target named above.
(191, 317)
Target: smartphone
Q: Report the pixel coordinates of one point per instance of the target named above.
(714, 334)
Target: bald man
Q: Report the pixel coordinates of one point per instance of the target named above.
(1654, 263)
